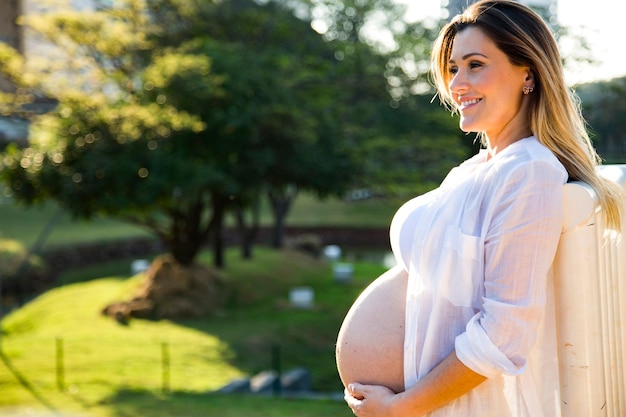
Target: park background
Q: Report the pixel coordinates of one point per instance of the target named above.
(235, 137)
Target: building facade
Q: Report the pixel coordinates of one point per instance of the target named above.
(10, 32)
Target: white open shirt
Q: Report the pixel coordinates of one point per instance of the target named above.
(479, 251)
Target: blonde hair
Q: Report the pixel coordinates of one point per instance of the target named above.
(554, 111)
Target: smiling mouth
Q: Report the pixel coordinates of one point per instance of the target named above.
(469, 103)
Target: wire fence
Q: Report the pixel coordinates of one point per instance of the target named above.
(60, 366)
(82, 366)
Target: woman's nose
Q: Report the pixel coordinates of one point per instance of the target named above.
(458, 83)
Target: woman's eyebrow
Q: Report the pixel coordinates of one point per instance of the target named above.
(471, 54)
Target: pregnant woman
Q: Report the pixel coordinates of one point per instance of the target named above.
(463, 326)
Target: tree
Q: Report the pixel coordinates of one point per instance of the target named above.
(169, 126)
(411, 154)
(603, 108)
(108, 147)
(405, 143)
(296, 99)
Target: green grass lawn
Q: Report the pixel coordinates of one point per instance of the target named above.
(26, 224)
(114, 370)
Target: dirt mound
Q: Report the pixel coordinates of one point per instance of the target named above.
(171, 290)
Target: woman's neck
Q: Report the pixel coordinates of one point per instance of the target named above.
(497, 143)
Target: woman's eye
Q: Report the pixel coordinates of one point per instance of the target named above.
(475, 65)
(453, 70)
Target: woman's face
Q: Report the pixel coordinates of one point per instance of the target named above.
(486, 87)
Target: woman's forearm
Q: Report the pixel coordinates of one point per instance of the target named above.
(447, 381)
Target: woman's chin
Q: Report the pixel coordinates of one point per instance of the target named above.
(467, 127)
(370, 344)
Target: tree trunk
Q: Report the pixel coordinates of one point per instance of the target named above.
(244, 234)
(280, 201)
(247, 233)
(188, 234)
(184, 252)
(219, 209)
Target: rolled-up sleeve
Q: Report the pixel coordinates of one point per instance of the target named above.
(521, 237)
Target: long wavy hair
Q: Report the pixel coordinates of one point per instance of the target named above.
(554, 111)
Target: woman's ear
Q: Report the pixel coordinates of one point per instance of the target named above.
(529, 83)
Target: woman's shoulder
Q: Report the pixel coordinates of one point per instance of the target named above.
(530, 155)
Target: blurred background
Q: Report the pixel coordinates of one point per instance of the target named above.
(194, 192)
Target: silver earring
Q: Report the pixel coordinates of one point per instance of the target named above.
(527, 90)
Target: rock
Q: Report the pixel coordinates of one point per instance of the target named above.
(237, 386)
(265, 382)
(296, 380)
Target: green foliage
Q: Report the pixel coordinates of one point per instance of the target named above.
(279, 100)
(171, 114)
(168, 126)
(405, 144)
(408, 66)
(603, 108)
(92, 152)
(412, 152)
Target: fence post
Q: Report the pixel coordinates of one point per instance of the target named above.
(1, 310)
(60, 364)
(276, 365)
(165, 367)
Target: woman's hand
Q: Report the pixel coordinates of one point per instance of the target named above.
(370, 400)
(443, 384)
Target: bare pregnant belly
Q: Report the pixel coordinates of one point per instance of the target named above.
(370, 344)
